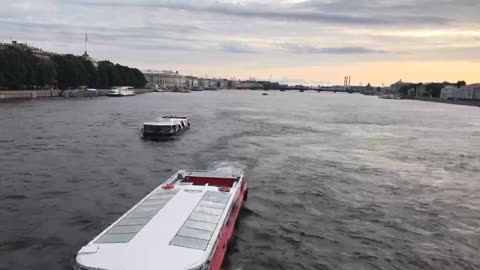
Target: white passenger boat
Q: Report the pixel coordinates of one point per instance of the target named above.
(121, 91)
(185, 223)
(167, 126)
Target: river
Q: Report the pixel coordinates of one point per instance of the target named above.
(337, 181)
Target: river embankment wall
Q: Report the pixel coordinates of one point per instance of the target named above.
(447, 101)
(32, 94)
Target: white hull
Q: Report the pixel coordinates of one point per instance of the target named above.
(121, 92)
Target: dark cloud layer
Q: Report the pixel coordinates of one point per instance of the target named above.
(309, 29)
(327, 15)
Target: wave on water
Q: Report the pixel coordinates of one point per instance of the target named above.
(228, 167)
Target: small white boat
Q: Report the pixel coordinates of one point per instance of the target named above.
(183, 224)
(121, 91)
(389, 97)
(167, 126)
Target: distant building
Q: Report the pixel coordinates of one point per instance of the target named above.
(448, 92)
(221, 84)
(87, 57)
(250, 84)
(164, 79)
(464, 92)
(421, 90)
(206, 83)
(232, 84)
(191, 82)
(270, 85)
(418, 90)
(37, 52)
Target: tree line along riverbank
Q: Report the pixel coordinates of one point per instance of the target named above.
(21, 69)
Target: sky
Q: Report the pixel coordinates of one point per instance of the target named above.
(313, 42)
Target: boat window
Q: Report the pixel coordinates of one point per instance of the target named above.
(126, 228)
(153, 128)
(168, 191)
(141, 214)
(216, 199)
(195, 233)
(205, 217)
(153, 202)
(212, 204)
(200, 225)
(150, 207)
(115, 238)
(133, 221)
(211, 181)
(217, 194)
(202, 222)
(209, 210)
(189, 242)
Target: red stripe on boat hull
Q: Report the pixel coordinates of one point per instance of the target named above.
(227, 232)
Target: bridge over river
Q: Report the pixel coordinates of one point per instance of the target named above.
(320, 89)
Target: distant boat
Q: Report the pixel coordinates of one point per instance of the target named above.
(121, 91)
(197, 88)
(184, 91)
(265, 94)
(158, 90)
(166, 127)
(389, 97)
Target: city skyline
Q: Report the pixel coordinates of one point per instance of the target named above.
(304, 42)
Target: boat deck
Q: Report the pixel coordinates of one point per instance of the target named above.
(173, 228)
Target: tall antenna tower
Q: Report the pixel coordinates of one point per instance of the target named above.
(346, 82)
(86, 41)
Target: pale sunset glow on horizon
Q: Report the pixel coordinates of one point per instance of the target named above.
(312, 42)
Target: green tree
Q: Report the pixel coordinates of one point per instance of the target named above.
(92, 74)
(71, 71)
(46, 73)
(139, 79)
(435, 89)
(104, 78)
(13, 68)
(20, 69)
(404, 88)
(2, 81)
(461, 83)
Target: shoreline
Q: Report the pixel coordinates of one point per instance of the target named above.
(28, 94)
(465, 102)
(34, 94)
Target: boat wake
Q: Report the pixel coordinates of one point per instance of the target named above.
(228, 167)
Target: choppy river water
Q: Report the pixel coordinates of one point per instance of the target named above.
(337, 181)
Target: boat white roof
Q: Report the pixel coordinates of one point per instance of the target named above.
(168, 229)
(165, 122)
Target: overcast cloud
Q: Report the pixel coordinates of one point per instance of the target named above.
(239, 38)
